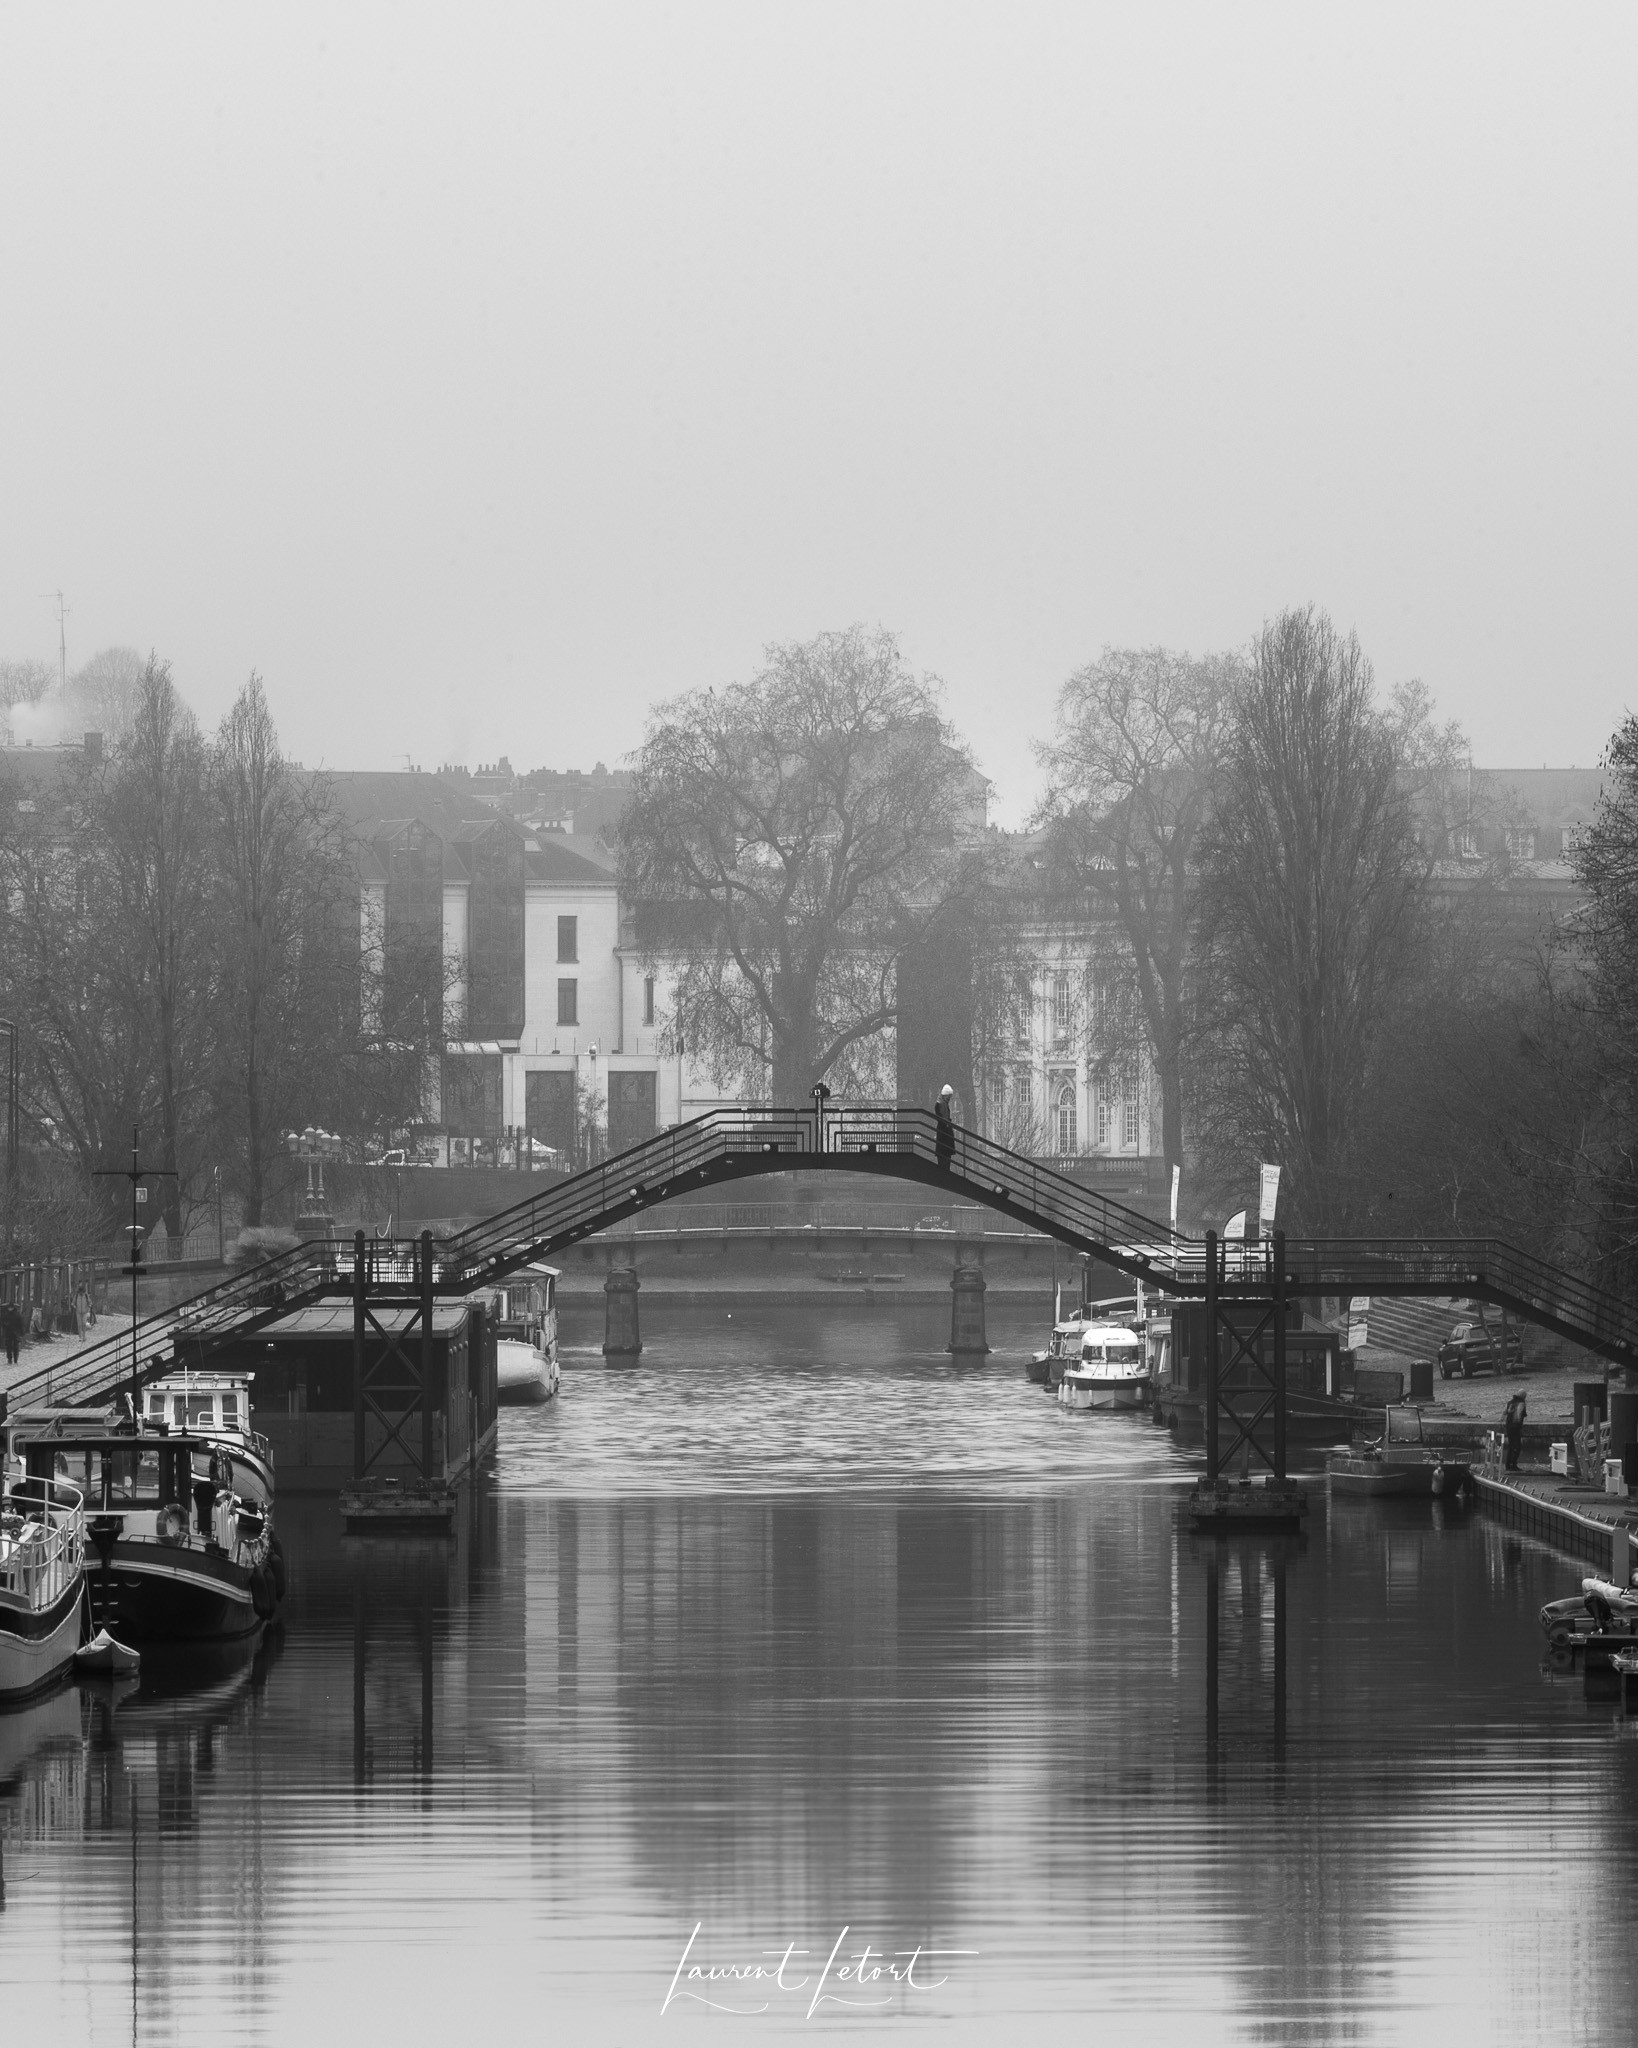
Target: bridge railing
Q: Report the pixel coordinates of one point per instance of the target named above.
(1485, 1268)
(303, 1274)
(726, 1143)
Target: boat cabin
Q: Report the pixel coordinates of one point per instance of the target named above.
(526, 1303)
(120, 1474)
(1112, 1344)
(218, 1403)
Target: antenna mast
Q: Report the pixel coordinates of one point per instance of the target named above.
(62, 641)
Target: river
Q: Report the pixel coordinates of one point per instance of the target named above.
(795, 1641)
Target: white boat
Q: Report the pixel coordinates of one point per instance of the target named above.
(42, 1584)
(523, 1374)
(216, 1406)
(524, 1315)
(1111, 1372)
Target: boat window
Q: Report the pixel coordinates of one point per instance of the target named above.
(179, 1412)
(156, 1407)
(74, 1467)
(201, 1409)
(136, 1472)
(230, 1407)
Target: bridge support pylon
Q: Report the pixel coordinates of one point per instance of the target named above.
(967, 1336)
(622, 1333)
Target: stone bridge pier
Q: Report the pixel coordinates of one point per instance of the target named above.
(622, 1332)
(967, 1338)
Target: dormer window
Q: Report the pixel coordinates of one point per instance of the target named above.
(1521, 844)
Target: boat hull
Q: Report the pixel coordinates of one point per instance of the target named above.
(150, 1594)
(1371, 1479)
(1076, 1392)
(37, 1646)
(524, 1377)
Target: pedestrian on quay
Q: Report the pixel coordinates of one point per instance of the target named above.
(944, 1110)
(1513, 1430)
(11, 1330)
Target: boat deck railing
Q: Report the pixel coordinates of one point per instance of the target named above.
(42, 1542)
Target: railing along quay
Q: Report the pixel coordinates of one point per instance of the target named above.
(727, 1145)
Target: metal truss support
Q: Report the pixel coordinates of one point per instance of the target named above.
(366, 1400)
(1237, 1324)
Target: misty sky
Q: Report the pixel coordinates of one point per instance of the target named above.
(481, 376)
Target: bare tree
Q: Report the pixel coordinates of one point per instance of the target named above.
(104, 693)
(85, 1048)
(787, 841)
(156, 846)
(1137, 739)
(279, 870)
(1312, 869)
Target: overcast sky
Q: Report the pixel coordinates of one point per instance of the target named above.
(483, 376)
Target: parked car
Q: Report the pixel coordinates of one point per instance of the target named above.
(1475, 1347)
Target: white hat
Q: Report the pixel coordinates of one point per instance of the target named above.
(946, 1089)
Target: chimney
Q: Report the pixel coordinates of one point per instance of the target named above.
(93, 747)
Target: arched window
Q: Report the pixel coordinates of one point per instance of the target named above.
(1065, 1118)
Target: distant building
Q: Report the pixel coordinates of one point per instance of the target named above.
(500, 944)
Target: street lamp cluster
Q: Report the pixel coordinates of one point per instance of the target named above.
(314, 1146)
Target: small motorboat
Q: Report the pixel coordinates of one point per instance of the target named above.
(1367, 1472)
(1111, 1372)
(1601, 1608)
(102, 1657)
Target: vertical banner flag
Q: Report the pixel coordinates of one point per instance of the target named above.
(1269, 1198)
(1177, 1175)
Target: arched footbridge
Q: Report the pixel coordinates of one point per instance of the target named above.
(901, 1144)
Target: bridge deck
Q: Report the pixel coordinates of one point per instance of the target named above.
(901, 1144)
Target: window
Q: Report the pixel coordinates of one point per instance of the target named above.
(1521, 845)
(1467, 843)
(1104, 1107)
(1573, 837)
(568, 942)
(568, 1007)
(1129, 1122)
(1064, 1120)
(648, 999)
(1063, 1009)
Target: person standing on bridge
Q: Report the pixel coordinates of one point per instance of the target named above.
(944, 1110)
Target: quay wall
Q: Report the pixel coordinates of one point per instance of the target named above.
(1601, 1541)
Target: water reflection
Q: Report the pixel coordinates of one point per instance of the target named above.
(1305, 1790)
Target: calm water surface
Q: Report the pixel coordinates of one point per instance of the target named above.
(795, 1628)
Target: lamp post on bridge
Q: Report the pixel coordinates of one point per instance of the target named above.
(821, 1095)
